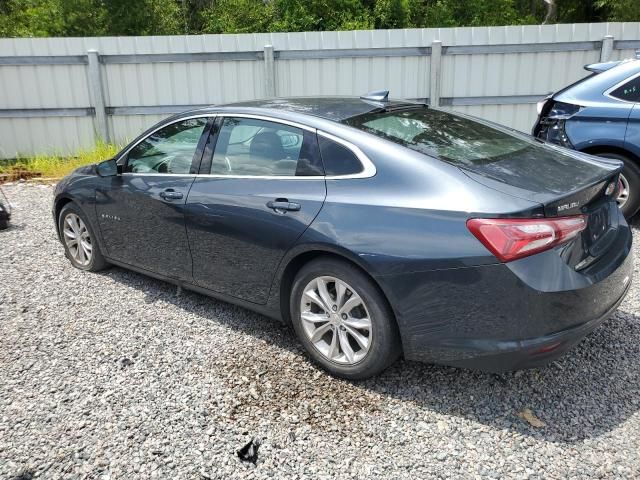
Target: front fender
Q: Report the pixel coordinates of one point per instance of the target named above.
(81, 190)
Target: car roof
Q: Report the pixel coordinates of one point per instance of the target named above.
(335, 109)
(593, 87)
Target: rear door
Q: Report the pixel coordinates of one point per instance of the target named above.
(141, 212)
(256, 193)
(630, 92)
(632, 139)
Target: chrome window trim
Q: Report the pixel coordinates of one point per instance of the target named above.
(126, 152)
(368, 168)
(266, 119)
(607, 93)
(138, 174)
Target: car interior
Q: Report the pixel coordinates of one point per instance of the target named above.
(256, 151)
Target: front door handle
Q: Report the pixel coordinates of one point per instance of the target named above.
(171, 195)
(282, 205)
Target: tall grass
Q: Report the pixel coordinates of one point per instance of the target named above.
(56, 166)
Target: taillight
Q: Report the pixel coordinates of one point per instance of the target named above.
(562, 111)
(540, 105)
(512, 238)
(551, 127)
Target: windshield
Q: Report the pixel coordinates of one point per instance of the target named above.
(448, 137)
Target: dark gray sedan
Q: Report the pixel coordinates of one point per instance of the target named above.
(376, 228)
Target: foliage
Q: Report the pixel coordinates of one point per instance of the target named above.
(391, 13)
(57, 166)
(39, 18)
(237, 16)
(620, 10)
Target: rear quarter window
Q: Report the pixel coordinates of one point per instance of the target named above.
(629, 92)
(338, 159)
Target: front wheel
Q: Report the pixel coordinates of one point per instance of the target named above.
(80, 245)
(343, 320)
(629, 196)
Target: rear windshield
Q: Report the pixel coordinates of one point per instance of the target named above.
(449, 137)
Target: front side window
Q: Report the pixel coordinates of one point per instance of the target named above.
(629, 92)
(252, 147)
(168, 150)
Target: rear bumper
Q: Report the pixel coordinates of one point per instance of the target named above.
(504, 356)
(507, 316)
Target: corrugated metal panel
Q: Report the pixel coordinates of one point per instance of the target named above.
(197, 82)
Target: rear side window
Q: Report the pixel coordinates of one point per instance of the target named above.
(338, 159)
(256, 148)
(629, 92)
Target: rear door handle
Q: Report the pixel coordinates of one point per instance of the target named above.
(171, 195)
(282, 205)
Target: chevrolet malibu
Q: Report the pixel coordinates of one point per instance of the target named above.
(376, 228)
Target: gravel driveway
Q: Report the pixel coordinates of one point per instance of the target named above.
(116, 375)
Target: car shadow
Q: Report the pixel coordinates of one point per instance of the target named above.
(586, 393)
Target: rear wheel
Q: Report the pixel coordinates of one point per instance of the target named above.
(343, 320)
(629, 197)
(78, 239)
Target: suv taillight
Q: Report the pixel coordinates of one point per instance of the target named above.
(551, 126)
(513, 238)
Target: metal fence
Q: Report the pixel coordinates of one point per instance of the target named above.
(60, 94)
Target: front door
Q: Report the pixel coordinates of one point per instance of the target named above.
(260, 190)
(141, 212)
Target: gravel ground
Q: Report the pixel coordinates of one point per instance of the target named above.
(116, 375)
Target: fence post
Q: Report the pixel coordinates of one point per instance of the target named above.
(435, 73)
(269, 72)
(607, 48)
(96, 94)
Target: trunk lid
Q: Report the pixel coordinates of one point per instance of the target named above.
(564, 184)
(562, 181)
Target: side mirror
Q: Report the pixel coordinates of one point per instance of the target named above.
(108, 168)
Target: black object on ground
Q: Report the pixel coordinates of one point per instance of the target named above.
(5, 210)
(249, 453)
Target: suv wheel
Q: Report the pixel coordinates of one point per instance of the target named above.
(343, 320)
(629, 198)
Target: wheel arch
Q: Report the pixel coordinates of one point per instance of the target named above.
(599, 149)
(58, 206)
(300, 258)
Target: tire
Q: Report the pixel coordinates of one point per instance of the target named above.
(381, 337)
(4, 223)
(631, 176)
(68, 220)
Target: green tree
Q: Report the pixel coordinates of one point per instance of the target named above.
(620, 10)
(391, 13)
(42, 18)
(300, 15)
(51, 18)
(148, 17)
(237, 16)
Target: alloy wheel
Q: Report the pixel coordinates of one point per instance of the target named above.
(336, 320)
(77, 239)
(623, 196)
